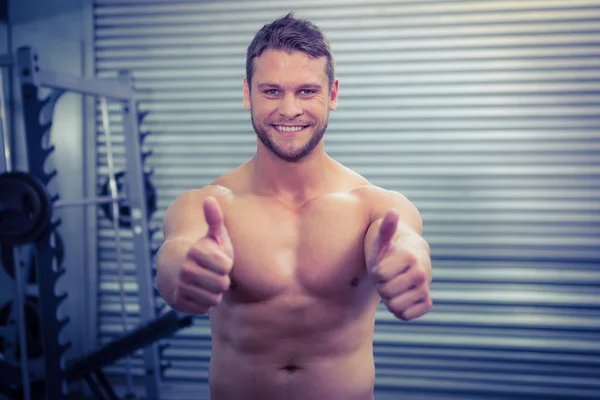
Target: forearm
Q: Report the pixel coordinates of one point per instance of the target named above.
(170, 258)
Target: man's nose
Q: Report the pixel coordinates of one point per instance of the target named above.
(289, 107)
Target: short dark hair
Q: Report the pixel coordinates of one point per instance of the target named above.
(290, 34)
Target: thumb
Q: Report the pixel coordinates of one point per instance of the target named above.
(387, 230)
(216, 223)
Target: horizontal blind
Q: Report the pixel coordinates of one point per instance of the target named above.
(485, 114)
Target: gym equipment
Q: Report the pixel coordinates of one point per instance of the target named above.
(16, 313)
(25, 205)
(124, 210)
(5, 60)
(131, 204)
(90, 367)
(112, 183)
(32, 318)
(25, 209)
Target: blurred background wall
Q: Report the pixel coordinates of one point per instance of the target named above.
(485, 114)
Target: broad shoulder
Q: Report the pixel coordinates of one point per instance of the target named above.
(223, 189)
(195, 197)
(187, 209)
(378, 201)
(235, 182)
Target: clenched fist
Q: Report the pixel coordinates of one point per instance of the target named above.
(401, 270)
(204, 275)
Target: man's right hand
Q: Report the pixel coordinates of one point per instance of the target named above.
(204, 275)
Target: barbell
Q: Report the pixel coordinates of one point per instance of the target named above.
(26, 207)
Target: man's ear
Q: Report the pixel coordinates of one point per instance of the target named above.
(246, 90)
(333, 98)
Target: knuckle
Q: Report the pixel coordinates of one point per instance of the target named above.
(380, 273)
(405, 315)
(419, 277)
(187, 272)
(394, 307)
(423, 291)
(223, 283)
(429, 303)
(203, 247)
(410, 258)
(401, 315)
(215, 300)
(384, 276)
(385, 292)
(195, 249)
(204, 241)
(210, 253)
(376, 273)
(226, 263)
(420, 294)
(183, 292)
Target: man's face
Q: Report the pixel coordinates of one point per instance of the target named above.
(290, 102)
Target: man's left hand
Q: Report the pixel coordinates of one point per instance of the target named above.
(400, 266)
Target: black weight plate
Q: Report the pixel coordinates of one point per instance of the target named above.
(25, 209)
(33, 334)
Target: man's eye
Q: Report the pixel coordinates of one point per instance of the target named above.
(306, 92)
(271, 92)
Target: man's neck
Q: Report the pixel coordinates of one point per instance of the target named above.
(293, 182)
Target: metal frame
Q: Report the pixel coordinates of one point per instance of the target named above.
(22, 269)
(6, 61)
(32, 77)
(89, 368)
(90, 180)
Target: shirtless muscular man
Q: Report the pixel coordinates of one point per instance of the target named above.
(290, 253)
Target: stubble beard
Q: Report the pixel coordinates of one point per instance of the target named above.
(290, 156)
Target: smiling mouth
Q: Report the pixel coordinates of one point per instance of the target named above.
(290, 128)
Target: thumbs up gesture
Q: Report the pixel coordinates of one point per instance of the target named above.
(399, 264)
(204, 276)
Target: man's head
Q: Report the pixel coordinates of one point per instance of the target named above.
(290, 86)
(290, 34)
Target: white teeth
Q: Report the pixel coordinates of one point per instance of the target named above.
(289, 128)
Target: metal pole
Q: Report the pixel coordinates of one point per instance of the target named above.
(88, 202)
(21, 323)
(115, 209)
(136, 192)
(5, 139)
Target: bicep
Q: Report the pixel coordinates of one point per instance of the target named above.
(409, 221)
(410, 217)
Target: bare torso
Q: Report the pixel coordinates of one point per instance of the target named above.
(297, 322)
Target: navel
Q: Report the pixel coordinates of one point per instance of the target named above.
(354, 282)
(291, 368)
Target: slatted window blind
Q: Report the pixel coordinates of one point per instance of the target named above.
(486, 114)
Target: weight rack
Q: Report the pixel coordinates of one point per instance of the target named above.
(47, 254)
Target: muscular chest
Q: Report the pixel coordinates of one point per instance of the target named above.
(317, 250)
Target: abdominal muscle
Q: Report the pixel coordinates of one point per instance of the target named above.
(261, 354)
